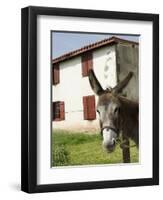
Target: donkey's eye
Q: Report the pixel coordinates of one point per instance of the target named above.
(117, 110)
(98, 111)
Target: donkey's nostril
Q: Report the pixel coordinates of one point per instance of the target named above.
(109, 146)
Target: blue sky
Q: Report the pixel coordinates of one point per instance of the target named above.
(64, 42)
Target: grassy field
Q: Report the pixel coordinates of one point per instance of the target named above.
(84, 149)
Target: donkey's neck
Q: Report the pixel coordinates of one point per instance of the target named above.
(129, 118)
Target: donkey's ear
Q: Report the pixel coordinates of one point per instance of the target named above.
(95, 85)
(119, 87)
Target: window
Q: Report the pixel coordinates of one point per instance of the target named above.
(58, 111)
(87, 63)
(55, 74)
(89, 110)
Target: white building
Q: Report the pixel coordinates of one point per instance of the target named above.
(73, 106)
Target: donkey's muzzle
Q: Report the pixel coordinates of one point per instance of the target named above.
(109, 146)
(109, 138)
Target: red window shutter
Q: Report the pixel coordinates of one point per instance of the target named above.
(85, 108)
(62, 110)
(87, 63)
(56, 110)
(53, 111)
(55, 74)
(89, 109)
(90, 61)
(84, 65)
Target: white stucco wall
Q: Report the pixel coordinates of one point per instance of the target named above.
(73, 87)
(104, 63)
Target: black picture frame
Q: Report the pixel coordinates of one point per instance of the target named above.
(29, 99)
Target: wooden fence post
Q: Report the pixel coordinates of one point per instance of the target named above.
(126, 151)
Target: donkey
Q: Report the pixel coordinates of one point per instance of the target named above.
(117, 114)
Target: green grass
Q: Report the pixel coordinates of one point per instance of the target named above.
(84, 149)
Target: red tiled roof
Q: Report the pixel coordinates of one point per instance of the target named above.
(89, 47)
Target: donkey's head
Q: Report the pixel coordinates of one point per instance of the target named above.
(109, 109)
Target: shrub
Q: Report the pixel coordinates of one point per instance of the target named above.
(61, 156)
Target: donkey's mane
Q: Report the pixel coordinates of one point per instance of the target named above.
(106, 95)
(127, 101)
